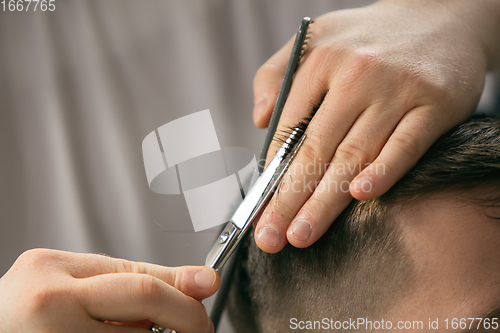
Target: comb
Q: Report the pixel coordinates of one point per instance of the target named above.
(298, 50)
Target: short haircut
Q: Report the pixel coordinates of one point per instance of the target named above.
(360, 267)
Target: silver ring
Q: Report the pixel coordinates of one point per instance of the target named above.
(157, 328)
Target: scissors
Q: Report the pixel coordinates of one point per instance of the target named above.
(264, 182)
(255, 201)
(262, 186)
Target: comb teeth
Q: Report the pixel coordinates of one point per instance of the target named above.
(303, 48)
(290, 137)
(295, 133)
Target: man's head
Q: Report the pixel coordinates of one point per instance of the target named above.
(427, 249)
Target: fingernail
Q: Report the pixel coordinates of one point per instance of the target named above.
(363, 184)
(259, 107)
(205, 278)
(269, 236)
(301, 230)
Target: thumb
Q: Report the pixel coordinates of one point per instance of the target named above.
(266, 84)
(198, 282)
(194, 281)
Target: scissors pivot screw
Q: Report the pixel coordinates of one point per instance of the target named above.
(224, 237)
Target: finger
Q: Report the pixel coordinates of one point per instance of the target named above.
(415, 133)
(349, 95)
(126, 297)
(345, 101)
(307, 93)
(197, 282)
(361, 146)
(316, 151)
(266, 84)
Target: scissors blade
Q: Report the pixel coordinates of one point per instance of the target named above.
(253, 204)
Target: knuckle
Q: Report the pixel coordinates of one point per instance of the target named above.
(312, 150)
(321, 51)
(359, 66)
(382, 168)
(175, 279)
(125, 266)
(421, 88)
(264, 72)
(37, 257)
(352, 154)
(282, 207)
(318, 204)
(319, 57)
(147, 289)
(366, 60)
(315, 209)
(407, 144)
(430, 81)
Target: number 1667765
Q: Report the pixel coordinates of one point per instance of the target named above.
(28, 5)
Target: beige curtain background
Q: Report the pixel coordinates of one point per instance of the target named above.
(82, 86)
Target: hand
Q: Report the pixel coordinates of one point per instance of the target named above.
(55, 291)
(394, 76)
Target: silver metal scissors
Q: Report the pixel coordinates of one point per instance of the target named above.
(271, 177)
(254, 202)
(261, 187)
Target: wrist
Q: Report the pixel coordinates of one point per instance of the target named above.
(476, 22)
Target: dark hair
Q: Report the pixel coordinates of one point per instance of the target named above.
(360, 266)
